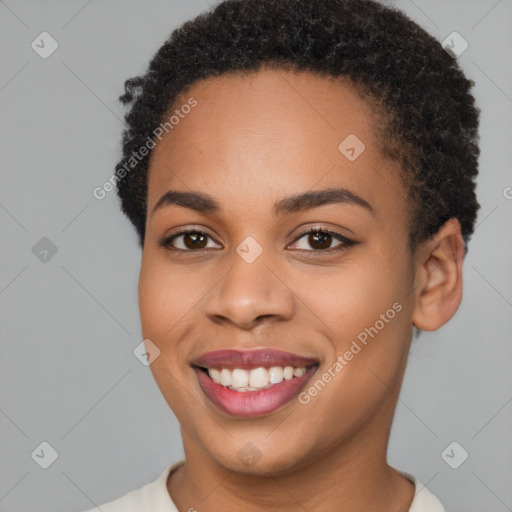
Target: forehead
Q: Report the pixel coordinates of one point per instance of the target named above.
(270, 133)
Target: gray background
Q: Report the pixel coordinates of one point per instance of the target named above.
(69, 325)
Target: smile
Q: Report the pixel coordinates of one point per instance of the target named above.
(252, 383)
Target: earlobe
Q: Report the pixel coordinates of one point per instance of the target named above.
(438, 282)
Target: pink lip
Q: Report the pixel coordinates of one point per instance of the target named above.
(252, 403)
(249, 404)
(249, 359)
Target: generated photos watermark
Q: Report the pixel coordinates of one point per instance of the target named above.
(343, 359)
(109, 185)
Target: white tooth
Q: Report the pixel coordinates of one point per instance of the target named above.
(288, 372)
(214, 375)
(275, 374)
(225, 377)
(243, 390)
(255, 379)
(258, 378)
(299, 372)
(239, 378)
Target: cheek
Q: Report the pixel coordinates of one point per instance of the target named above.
(366, 308)
(353, 296)
(165, 296)
(163, 314)
(153, 299)
(368, 335)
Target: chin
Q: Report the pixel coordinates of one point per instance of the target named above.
(250, 460)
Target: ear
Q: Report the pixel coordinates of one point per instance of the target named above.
(438, 277)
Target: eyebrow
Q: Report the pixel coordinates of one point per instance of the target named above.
(204, 203)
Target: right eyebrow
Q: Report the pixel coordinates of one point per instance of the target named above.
(197, 201)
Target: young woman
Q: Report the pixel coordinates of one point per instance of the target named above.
(301, 177)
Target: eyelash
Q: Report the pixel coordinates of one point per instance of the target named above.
(346, 242)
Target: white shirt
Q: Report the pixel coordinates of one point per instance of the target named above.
(154, 497)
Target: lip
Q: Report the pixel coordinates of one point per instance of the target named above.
(249, 359)
(249, 404)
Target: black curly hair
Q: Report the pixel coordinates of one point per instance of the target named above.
(428, 118)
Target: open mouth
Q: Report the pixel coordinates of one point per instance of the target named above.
(256, 379)
(253, 392)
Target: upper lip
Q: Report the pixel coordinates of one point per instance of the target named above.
(248, 359)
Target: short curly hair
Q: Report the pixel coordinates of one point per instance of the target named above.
(428, 121)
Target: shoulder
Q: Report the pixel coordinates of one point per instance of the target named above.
(424, 500)
(152, 496)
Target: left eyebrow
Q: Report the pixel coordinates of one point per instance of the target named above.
(316, 198)
(204, 203)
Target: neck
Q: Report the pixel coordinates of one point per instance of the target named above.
(353, 476)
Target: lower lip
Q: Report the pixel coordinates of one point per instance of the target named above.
(249, 404)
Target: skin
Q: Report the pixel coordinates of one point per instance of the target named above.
(251, 140)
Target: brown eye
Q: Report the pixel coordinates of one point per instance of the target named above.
(189, 240)
(194, 240)
(320, 240)
(317, 240)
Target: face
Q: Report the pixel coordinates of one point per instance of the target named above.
(252, 277)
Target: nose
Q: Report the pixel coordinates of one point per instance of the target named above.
(250, 294)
